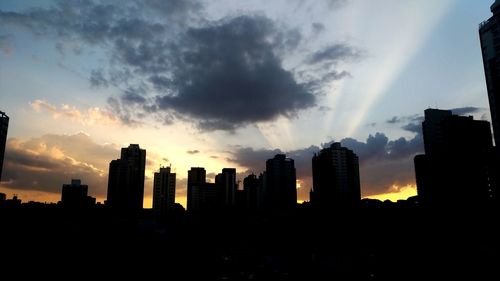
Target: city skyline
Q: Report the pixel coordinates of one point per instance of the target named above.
(86, 108)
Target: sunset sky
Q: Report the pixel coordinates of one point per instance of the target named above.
(229, 83)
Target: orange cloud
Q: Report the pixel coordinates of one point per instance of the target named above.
(91, 116)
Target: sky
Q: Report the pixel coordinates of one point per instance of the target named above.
(230, 83)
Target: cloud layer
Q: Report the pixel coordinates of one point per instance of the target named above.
(383, 163)
(172, 63)
(45, 163)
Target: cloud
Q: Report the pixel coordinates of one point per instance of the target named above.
(383, 162)
(91, 116)
(172, 64)
(335, 53)
(466, 110)
(317, 27)
(228, 70)
(47, 162)
(193, 151)
(6, 43)
(308, 4)
(255, 162)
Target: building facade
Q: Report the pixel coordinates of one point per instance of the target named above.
(126, 180)
(4, 126)
(281, 183)
(489, 33)
(75, 195)
(335, 178)
(197, 177)
(163, 190)
(456, 168)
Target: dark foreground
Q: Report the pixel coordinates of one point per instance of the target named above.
(370, 243)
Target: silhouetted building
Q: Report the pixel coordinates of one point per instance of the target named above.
(335, 178)
(163, 190)
(126, 180)
(281, 182)
(226, 185)
(203, 197)
(196, 177)
(75, 195)
(489, 33)
(456, 168)
(3, 197)
(251, 188)
(4, 126)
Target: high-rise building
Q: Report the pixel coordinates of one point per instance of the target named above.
(251, 187)
(196, 177)
(226, 185)
(489, 33)
(126, 180)
(335, 178)
(202, 197)
(163, 190)
(456, 167)
(4, 126)
(281, 183)
(75, 196)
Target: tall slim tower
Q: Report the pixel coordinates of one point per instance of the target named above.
(335, 178)
(226, 185)
(4, 126)
(163, 190)
(281, 183)
(196, 177)
(489, 33)
(126, 179)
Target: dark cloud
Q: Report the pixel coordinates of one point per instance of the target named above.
(255, 162)
(97, 78)
(466, 110)
(308, 4)
(324, 108)
(410, 123)
(45, 163)
(335, 53)
(394, 120)
(405, 119)
(383, 163)
(193, 151)
(173, 64)
(414, 127)
(317, 27)
(228, 70)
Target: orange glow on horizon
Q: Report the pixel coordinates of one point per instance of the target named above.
(397, 193)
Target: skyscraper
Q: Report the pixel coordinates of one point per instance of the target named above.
(456, 168)
(335, 178)
(4, 126)
(163, 190)
(196, 177)
(226, 185)
(126, 179)
(251, 186)
(281, 183)
(489, 33)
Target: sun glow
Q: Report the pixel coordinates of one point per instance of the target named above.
(397, 193)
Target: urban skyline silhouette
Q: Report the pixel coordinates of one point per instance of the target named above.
(196, 94)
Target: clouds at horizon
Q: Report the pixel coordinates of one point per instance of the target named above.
(45, 163)
(384, 163)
